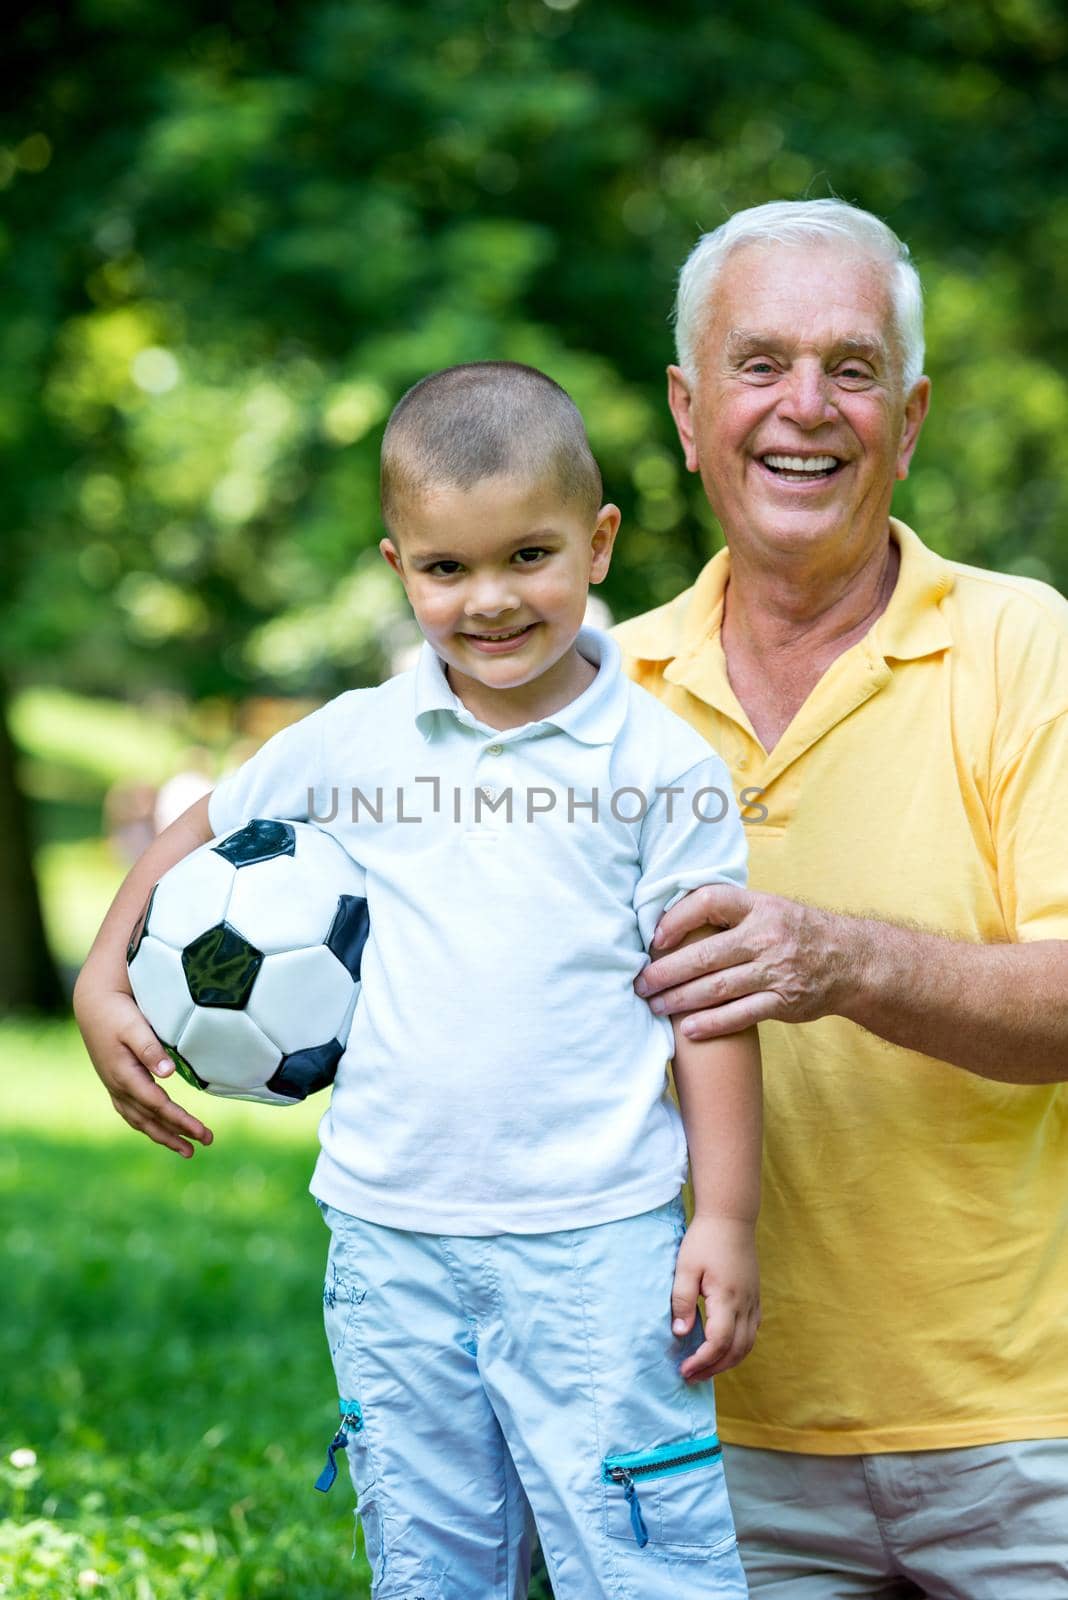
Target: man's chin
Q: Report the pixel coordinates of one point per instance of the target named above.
(787, 528)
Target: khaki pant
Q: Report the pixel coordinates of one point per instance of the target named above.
(988, 1523)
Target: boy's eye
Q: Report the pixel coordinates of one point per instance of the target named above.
(530, 554)
(443, 569)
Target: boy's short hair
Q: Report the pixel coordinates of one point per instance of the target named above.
(480, 420)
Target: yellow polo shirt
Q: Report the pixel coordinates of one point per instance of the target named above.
(914, 1230)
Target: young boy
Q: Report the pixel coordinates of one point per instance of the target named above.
(511, 1288)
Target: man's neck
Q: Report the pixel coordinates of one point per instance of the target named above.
(782, 629)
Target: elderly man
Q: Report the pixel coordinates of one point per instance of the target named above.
(898, 724)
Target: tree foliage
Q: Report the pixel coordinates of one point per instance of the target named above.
(231, 237)
(232, 240)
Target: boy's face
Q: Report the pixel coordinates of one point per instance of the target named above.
(497, 576)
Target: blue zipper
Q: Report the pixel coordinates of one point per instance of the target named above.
(351, 1419)
(663, 1462)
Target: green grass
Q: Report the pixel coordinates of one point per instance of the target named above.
(167, 1390)
(162, 1350)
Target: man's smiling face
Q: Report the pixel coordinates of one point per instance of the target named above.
(797, 421)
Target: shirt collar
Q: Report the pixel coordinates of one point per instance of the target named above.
(911, 626)
(593, 717)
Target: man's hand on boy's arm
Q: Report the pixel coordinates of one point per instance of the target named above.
(121, 1045)
(718, 1082)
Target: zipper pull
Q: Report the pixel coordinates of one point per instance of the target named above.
(328, 1476)
(630, 1494)
(340, 1441)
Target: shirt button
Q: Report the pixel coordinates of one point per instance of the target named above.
(495, 749)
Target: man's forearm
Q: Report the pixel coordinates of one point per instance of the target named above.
(998, 1010)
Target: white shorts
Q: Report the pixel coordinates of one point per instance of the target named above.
(479, 1374)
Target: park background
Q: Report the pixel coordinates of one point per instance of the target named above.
(230, 238)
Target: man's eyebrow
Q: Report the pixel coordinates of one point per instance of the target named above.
(857, 345)
(742, 343)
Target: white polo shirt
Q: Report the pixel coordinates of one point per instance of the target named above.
(501, 1076)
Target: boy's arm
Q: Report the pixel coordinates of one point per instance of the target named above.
(718, 1082)
(121, 1045)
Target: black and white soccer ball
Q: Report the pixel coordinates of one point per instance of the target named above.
(246, 960)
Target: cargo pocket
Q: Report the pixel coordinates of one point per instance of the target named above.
(673, 1498)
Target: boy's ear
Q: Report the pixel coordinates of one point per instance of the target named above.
(604, 537)
(392, 555)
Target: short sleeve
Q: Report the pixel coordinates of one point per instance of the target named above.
(283, 779)
(692, 834)
(1027, 817)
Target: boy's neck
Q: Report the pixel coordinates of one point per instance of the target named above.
(564, 681)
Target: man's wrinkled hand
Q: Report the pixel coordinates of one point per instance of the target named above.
(764, 958)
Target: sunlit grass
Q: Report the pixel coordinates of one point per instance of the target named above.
(167, 1390)
(162, 1350)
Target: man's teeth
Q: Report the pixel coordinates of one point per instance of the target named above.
(801, 463)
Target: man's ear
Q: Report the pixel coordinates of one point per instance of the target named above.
(604, 537)
(680, 399)
(916, 407)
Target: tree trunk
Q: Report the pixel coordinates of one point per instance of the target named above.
(29, 980)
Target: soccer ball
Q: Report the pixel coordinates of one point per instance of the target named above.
(246, 960)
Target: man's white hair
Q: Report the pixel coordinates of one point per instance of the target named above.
(800, 222)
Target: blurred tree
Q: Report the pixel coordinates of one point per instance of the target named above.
(232, 237)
